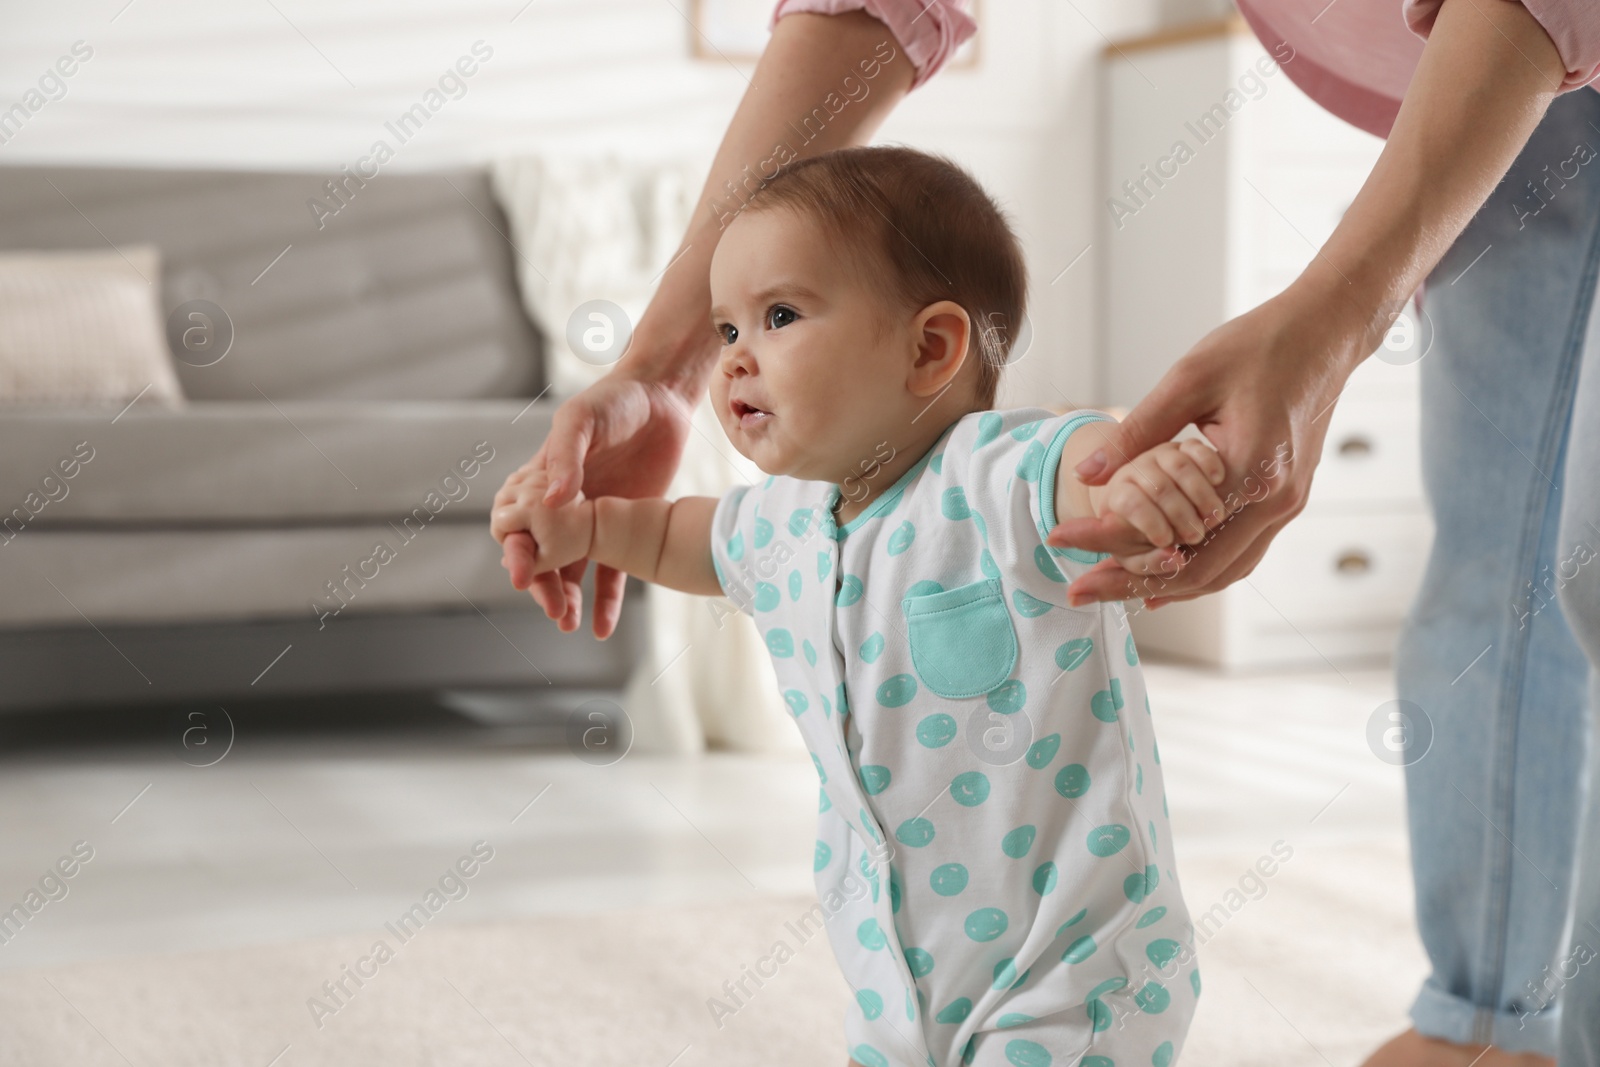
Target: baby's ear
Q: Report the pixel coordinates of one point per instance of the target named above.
(943, 332)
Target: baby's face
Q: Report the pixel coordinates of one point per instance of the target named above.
(813, 370)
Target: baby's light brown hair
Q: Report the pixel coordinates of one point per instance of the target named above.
(925, 227)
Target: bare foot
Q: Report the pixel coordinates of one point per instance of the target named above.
(1411, 1049)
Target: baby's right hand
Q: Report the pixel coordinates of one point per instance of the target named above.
(1168, 493)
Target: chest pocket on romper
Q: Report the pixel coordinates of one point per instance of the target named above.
(962, 640)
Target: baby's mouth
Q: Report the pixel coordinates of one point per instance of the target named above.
(748, 415)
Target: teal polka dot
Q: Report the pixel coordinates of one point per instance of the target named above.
(1095, 1061)
(936, 731)
(1138, 778)
(926, 587)
(868, 1056)
(874, 779)
(1103, 707)
(920, 962)
(1153, 845)
(1027, 430)
(1005, 975)
(1130, 651)
(767, 596)
(821, 774)
(872, 648)
(969, 1052)
(1044, 879)
(1162, 951)
(1008, 697)
(1042, 751)
(1079, 950)
(822, 856)
(1138, 886)
(842, 700)
(986, 924)
(1010, 1021)
(871, 1003)
(1047, 565)
(1026, 1053)
(1070, 656)
(850, 590)
(1100, 1017)
(736, 547)
(1108, 840)
(1017, 843)
(871, 935)
(897, 691)
(989, 425)
(824, 565)
(800, 521)
(902, 537)
(895, 890)
(1075, 920)
(810, 651)
(1162, 1057)
(948, 879)
(1028, 466)
(911, 1007)
(954, 1012)
(1149, 918)
(1072, 781)
(970, 788)
(1029, 607)
(937, 463)
(866, 825)
(780, 643)
(796, 700)
(823, 803)
(763, 532)
(953, 503)
(914, 833)
(794, 585)
(1153, 999)
(989, 567)
(1194, 981)
(827, 708)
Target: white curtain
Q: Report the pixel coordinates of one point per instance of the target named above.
(605, 228)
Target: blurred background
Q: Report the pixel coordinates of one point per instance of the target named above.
(287, 290)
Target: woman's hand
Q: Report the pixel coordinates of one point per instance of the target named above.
(622, 436)
(1261, 388)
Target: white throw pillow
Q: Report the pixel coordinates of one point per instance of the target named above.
(84, 327)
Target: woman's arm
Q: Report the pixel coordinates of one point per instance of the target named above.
(1266, 381)
(624, 435)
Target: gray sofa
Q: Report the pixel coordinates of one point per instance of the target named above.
(314, 519)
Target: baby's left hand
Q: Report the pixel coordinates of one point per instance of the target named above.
(1168, 493)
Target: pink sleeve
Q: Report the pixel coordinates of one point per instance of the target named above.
(930, 33)
(1574, 26)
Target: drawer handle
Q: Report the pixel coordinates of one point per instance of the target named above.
(1355, 446)
(1353, 562)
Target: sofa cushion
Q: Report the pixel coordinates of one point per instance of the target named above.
(269, 463)
(407, 292)
(83, 328)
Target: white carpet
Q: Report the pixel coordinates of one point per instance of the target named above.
(1314, 972)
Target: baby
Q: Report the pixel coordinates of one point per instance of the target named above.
(988, 765)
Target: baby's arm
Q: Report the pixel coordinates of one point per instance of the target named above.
(667, 542)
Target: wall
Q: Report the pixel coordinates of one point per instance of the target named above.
(291, 84)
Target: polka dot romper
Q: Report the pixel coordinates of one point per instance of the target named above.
(993, 864)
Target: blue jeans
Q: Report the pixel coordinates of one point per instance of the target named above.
(1498, 646)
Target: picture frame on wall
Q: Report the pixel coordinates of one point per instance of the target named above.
(735, 31)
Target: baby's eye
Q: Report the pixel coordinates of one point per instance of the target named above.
(780, 316)
(728, 332)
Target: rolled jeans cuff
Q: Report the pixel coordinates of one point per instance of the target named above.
(1449, 1018)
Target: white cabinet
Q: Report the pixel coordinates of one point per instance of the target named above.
(1221, 181)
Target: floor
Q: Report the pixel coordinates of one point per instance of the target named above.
(339, 822)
